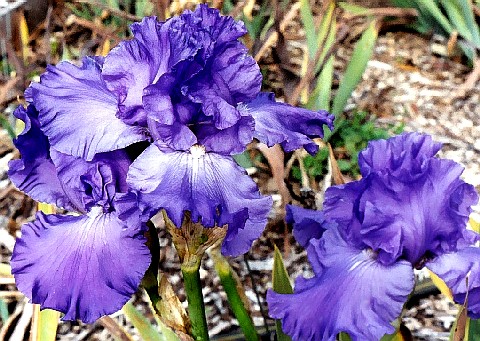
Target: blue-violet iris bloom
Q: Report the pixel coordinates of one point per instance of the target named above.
(153, 125)
(189, 88)
(409, 210)
(86, 265)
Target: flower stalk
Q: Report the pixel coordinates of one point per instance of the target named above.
(235, 293)
(196, 306)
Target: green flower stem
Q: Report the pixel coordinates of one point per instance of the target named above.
(196, 306)
(233, 289)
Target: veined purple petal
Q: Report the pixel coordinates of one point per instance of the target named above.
(405, 156)
(236, 70)
(84, 266)
(453, 269)
(227, 141)
(211, 186)
(404, 215)
(354, 293)
(341, 205)
(243, 230)
(77, 111)
(290, 126)
(93, 183)
(135, 64)
(35, 173)
(409, 219)
(307, 224)
(223, 29)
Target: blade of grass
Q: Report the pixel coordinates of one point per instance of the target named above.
(354, 9)
(456, 18)
(326, 33)
(361, 55)
(147, 331)
(321, 95)
(469, 17)
(432, 8)
(3, 311)
(45, 322)
(473, 327)
(309, 26)
(281, 284)
(7, 126)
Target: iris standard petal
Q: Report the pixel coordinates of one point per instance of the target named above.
(236, 70)
(454, 268)
(412, 218)
(211, 186)
(290, 126)
(222, 28)
(135, 64)
(354, 293)
(78, 112)
(405, 155)
(84, 266)
(227, 141)
(35, 173)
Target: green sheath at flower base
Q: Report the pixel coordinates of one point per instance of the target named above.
(234, 291)
(191, 241)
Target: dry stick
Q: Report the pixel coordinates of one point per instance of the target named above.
(312, 63)
(114, 11)
(98, 29)
(161, 7)
(471, 80)
(387, 12)
(254, 288)
(114, 328)
(272, 39)
(18, 64)
(47, 34)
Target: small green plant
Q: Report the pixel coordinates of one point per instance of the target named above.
(350, 137)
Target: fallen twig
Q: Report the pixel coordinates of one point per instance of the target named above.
(272, 39)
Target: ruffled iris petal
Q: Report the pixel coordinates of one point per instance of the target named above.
(405, 156)
(307, 224)
(453, 269)
(96, 182)
(35, 173)
(416, 217)
(222, 28)
(211, 186)
(77, 111)
(407, 214)
(227, 141)
(354, 293)
(242, 229)
(290, 126)
(83, 266)
(135, 64)
(238, 71)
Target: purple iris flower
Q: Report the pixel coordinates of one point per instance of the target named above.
(189, 88)
(409, 210)
(86, 265)
(187, 94)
